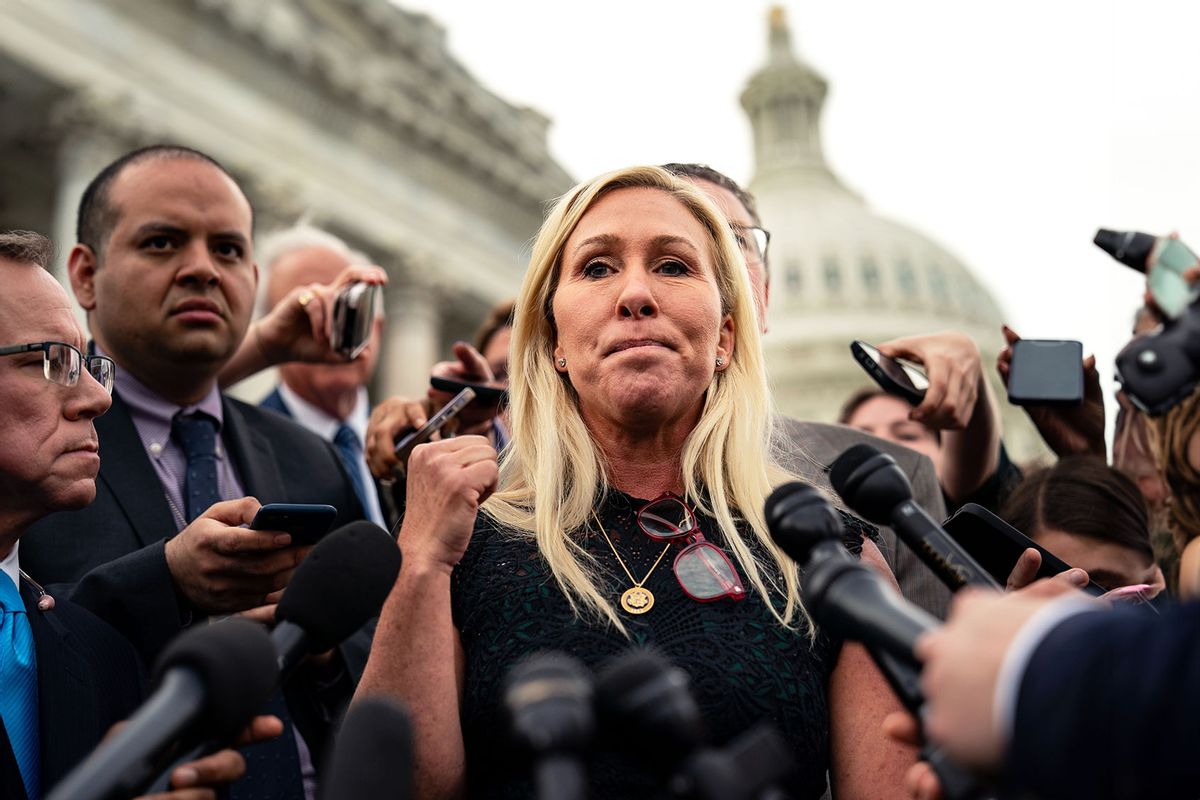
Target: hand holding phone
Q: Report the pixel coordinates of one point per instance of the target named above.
(405, 445)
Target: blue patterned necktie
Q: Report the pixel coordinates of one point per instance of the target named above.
(350, 450)
(197, 435)
(18, 686)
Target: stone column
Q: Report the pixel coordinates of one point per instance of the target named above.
(85, 148)
(411, 339)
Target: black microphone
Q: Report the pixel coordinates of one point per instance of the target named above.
(852, 600)
(338, 587)
(641, 690)
(210, 681)
(841, 592)
(548, 697)
(874, 486)
(372, 754)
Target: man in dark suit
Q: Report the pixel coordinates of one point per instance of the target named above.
(1063, 697)
(165, 272)
(328, 399)
(66, 676)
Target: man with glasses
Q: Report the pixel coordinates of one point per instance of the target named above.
(65, 675)
(164, 269)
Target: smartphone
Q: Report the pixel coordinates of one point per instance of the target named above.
(1045, 371)
(405, 445)
(996, 545)
(353, 318)
(489, 396)
(306, 522)
(894, 376)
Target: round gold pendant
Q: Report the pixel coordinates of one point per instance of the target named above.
(637, 600)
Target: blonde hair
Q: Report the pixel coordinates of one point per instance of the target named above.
(553, 472)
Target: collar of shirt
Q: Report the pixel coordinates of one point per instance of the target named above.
(152, 414)
(321, 423)
(11, 565)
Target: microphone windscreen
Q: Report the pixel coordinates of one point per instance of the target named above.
(846, 463)
(642, 690)
(341, 584)
(548, 697)
(799, 518)
(372, 754)
(235, 659)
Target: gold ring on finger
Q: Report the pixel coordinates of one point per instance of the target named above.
(305, 299)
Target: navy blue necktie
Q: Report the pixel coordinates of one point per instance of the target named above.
(350, 450)
(18, 686)
(197, 435)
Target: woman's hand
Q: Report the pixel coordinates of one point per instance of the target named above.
(447, 482)
(388, 420)
(468, 366)
(953, 365)
(297, 328)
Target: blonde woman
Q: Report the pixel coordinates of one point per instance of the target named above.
(638, 395)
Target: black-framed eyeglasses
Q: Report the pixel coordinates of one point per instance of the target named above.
(753, 241)
(703, 570)
(63, 363)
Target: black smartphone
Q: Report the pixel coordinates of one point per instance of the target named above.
(405, 445)
(996, 545)
(893, 375)
(484, 395)
(306, 522)
(1046, 371)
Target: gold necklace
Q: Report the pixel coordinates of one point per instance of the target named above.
(637, 599)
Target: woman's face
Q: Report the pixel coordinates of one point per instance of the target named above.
(886, 416)
(638, 311)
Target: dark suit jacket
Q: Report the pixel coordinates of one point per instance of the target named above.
(387, 503)
(89, 678)
(113, 550)
(811, 447)
(1108, 707)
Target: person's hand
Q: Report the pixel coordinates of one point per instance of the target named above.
(221, 568)
(297, 328)
(447, 482)
(264, 614)
(1068, 430)
(389, 419)
(468, 366)
(1024, 573)
(953, 365)
(962, 664)
(200, 779)
(920, 780)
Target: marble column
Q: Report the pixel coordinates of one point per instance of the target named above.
(411, 339)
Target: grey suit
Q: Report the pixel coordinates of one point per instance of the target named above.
(809, 449)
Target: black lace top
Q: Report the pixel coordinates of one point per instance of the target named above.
(744, 666)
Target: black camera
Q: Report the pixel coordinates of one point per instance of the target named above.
(354, 311)
(1159, 370)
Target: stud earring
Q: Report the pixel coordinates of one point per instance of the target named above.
(720, 361)
(562, 362)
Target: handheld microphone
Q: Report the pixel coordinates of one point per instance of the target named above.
(548, 697)
(372, 754)
(210, 681)
(338, 587)
(643, 691)
(852, 600)
(873, 485)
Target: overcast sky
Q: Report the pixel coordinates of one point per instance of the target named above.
(1008, 132)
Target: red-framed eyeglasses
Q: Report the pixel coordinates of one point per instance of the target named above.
(703, 570)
